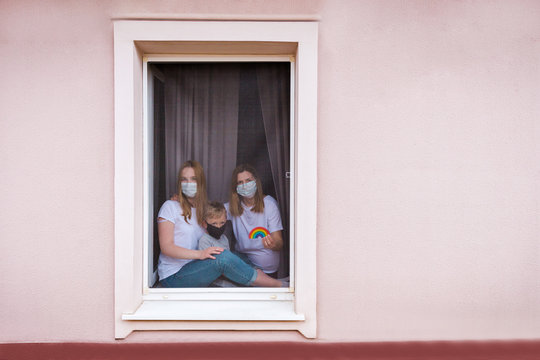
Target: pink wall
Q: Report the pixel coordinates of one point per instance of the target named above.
(429, 166)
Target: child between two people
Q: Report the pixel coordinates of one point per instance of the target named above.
(215, 217)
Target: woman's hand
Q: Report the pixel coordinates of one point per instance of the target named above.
(267, 241)
(208, 252)
(273, 241)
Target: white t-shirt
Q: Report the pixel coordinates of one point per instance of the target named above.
(251, 227)
(186, 235)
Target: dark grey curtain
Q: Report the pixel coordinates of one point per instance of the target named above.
(274, 94)
(201, 115)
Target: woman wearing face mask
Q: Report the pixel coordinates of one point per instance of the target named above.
(180, 222)
(256, 220)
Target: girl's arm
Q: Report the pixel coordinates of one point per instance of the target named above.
(274, 241)
(167, 246)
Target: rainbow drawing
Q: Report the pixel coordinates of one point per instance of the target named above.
(258, 232)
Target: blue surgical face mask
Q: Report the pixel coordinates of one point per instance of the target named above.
(248, 189)
(189, 189)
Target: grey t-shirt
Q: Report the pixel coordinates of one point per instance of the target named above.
(206, 241)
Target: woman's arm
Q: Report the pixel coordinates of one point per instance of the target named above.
(167, 246)
(274, 241)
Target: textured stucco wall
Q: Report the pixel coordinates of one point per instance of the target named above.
(429, 167)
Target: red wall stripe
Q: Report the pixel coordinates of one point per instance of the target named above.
(492, 350)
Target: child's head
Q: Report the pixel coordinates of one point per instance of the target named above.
(215, 217)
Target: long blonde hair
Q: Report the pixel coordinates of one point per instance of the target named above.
(235, 206)
(200, 199)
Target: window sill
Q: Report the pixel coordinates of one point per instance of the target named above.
(235, 310)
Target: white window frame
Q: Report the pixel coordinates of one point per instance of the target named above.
(136, 306)
(148, 170)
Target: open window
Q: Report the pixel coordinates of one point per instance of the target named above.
(221, 112)
(146, 53)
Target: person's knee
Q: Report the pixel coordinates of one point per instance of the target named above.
(225, 256)
(227, 259)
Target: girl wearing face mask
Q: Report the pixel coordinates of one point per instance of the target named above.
(256, 220)
(181, 263)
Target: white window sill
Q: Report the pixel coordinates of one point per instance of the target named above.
(204, 294)
(235, 310)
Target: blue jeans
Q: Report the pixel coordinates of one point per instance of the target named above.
(201, 273)
(245, 258)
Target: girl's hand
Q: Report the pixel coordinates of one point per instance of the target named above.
(268, 242)
(208, 252)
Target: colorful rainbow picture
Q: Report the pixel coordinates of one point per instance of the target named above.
(258, 232)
